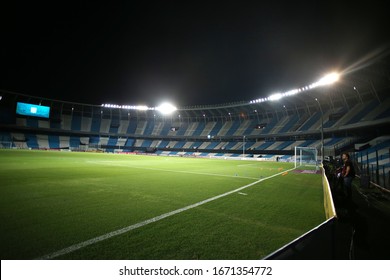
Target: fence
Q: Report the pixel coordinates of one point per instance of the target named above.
(375, 166)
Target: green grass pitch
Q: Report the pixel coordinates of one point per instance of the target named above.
(50, 201)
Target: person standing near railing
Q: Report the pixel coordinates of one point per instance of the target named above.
(348, 173)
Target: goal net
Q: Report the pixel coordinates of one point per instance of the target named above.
(5, 145)
(306, 157)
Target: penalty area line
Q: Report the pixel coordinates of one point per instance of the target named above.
(114, 233)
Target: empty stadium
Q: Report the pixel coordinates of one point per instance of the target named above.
(106, 181)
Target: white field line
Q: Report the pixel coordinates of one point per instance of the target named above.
(256, 165)
(103, 237)
(248, 165)
(170, 170)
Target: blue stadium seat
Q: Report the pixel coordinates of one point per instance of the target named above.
(76, 122)
(54, 141)
(233, 128)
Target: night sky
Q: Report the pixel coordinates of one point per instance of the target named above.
(186, 52)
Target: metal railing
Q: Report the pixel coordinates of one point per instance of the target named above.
(377, 169)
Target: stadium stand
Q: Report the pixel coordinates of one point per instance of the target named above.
(270, 128)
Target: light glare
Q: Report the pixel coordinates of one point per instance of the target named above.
(166, 108)
(275, 96)
(328, 79)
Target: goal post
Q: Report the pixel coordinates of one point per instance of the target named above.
(306, 156)
(5, 145)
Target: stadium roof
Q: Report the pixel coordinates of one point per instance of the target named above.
(363, 82)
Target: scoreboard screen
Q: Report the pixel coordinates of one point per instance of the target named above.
(33, 110)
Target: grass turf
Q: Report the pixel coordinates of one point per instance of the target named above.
(52, 200)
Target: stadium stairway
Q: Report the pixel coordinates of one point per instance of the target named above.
(217, 127)
(363, 112)
(199, 129)
(310, 122)
(243, 127)
(225, 128)
(279, 125)
(86, 124)
(330, 122)
(165, 129)
(141, 126)
(288, 126)
(251, 129)
(208, 127)
(234, 127)
(270, 126)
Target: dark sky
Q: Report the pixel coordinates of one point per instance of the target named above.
(187, 52)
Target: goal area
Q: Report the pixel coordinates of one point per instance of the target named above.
(306, 157)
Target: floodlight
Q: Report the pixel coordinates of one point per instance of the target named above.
(275, 96)
(328, 79)
(166, 108)
(141, 108)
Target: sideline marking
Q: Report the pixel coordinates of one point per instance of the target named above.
(91, 241)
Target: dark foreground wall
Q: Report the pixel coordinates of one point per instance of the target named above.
(317, 244)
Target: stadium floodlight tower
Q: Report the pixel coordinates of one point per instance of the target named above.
(322, 128)
(326, 80)
(243, 146)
